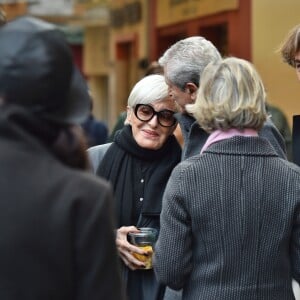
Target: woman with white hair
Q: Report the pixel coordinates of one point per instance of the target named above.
(230, 222)
(138, 164)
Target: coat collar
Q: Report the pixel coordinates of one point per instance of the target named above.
(240, 145)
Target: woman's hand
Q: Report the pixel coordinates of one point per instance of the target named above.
(126, 249)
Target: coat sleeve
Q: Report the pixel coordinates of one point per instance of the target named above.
(295, 246)
(173, 250)
(95, 155)
(97, 266)
(296, 140)
(272, 134)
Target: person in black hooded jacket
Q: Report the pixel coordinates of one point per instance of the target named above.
(56, 236)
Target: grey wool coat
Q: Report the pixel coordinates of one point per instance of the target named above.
(230, 224)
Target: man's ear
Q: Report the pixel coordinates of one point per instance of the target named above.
(192, 89)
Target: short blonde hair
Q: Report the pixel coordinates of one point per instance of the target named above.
(231, 95)
(290, 46)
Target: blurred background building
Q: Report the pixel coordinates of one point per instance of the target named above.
(113, 41)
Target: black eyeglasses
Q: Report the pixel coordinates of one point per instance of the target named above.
(146, 112)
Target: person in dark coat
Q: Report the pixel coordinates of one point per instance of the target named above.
(281, 122)
(229, 230)
(138, 164)
(96, 131)
(57, 239)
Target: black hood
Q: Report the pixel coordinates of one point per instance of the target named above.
(37, 71)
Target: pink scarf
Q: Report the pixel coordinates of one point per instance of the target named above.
(219, 135)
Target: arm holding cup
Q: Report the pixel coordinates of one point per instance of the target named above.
(126, 249)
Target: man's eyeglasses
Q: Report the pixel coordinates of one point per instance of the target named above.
(146, 112)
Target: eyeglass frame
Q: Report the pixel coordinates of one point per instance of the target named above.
(155, 113)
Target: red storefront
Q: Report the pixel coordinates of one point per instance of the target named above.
(228, 28)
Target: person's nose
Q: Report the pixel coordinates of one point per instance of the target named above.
(170, 92)
(153, 122)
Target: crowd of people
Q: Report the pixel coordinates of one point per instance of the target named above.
(225, 200)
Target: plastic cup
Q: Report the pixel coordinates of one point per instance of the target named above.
(144, 239)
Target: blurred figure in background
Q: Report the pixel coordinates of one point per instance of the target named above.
(57, 239)
(154, 68)
(138, 164)
(280, 121)
(95, 131)
(290, 53)
(118, 125)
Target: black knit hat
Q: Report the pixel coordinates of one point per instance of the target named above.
(38, 73)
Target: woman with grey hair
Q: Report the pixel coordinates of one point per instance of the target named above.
(138, 164)
(230, 218)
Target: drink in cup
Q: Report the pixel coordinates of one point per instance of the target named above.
(144, 239)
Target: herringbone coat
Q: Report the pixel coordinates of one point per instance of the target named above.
(230, 224)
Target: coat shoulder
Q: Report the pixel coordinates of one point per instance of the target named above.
(96, 154)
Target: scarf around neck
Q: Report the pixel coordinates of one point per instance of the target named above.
(123, 159)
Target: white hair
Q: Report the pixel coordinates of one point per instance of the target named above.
(149, 89)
